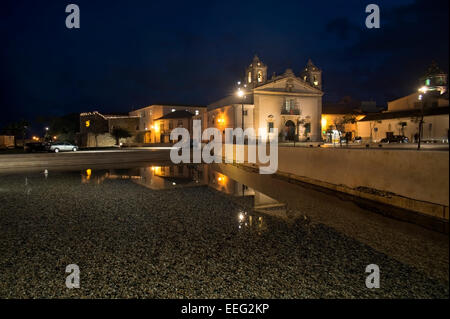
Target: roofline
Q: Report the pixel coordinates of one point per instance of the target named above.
(171, 105)
(165, 117)
(283, 76)
(108, 117)
(405, 114)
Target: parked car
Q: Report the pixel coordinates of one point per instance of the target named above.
(358, 139)
(395, 139)
(36, 147)
(61, 147)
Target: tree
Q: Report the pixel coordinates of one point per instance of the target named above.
(402, 127)
(64, 127)
(119, 133)
(339, 124)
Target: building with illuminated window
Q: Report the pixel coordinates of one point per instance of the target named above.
(96, 129)
(404, 114)
(152, 117)
(290, 103)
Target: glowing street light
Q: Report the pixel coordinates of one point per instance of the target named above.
(424, 89)
(241, 94)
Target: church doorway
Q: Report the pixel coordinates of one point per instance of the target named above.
(289, 128)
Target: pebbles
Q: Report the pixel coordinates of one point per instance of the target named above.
(133, 242)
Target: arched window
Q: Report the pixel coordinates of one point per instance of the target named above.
(260, 76)
(249, 77)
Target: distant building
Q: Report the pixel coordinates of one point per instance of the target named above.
(339, 119)
(177, 119)
(151, 117)
(6, 141)
(403, 115)
(292, 104)
(96, 129)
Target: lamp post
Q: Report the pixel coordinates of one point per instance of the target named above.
(422, 96)
(241, 94)
(46, 133)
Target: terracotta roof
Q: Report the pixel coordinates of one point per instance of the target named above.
(406, 113)
(176, 115)
(230, 100)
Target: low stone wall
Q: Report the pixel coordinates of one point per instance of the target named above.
(409, 179)
(106, 140)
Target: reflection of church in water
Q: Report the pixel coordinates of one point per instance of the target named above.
(253, 205)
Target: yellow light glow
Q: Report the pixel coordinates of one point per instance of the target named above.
(423, 89)
(324, 122)
(156, 170)
(88, 174)
(240, 93)
(221, 179)
(156, 128)
(221, 120)
(54, 137)
(88, 123)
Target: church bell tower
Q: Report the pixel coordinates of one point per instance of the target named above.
(256, 73)
(312, 75)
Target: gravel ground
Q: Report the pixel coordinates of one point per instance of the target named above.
(130, 241)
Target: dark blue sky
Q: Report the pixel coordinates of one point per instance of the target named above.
(130, 54)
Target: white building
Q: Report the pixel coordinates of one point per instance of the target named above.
(404, 114)
(290, 103)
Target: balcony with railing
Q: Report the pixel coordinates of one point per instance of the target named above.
(290, 110)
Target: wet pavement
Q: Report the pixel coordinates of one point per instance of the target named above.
(162, 231)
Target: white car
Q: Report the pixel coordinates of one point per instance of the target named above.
(61, 147)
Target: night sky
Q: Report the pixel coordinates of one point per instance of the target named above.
(130, 54)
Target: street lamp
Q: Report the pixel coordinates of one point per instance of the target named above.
(46, 135)
(423, 90)
(240, 93)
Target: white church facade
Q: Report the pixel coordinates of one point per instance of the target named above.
(292, 104)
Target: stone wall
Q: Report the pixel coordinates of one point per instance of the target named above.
(106, 140)
(410, 179)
